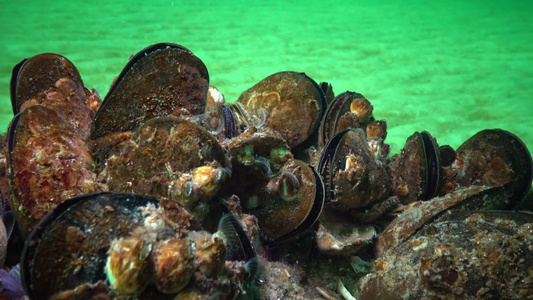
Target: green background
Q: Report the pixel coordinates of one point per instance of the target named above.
(452, 68)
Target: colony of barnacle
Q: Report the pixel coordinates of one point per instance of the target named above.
(162, 190)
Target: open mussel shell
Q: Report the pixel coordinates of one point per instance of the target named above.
(69, 246)
(357, 178)
(352, 176)
(293, 104)
(339, 106)
(292, 203)
(161, 80)
(34, 76)
(495, 157)
(325, 164)
(416, 172)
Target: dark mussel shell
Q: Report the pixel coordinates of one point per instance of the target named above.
(255, 155)
(417, 171)
(326, 162)
(161, 80)
(495, 157)
(352, 176)
(69, 246)
(328, 92)
(285, 194)
(160, 152)
(459, 255)
(34, 76)
(339, 107)
(48, 164)
(53, 81)
(292, 102)
(282, 218)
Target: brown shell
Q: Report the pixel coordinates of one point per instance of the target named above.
(69, 247)
(160, 141)
(48, 164)
(418, 213)
(280, 218)
(495, 157)
(356, 177)
(459, 255)
(34, 76)
(161, 80)
(160, 151)
(339, 107)
(417, 172)
(51, 80)
(292, 102)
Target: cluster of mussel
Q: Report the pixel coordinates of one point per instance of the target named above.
(162, 190)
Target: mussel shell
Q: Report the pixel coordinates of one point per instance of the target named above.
(459, 255)
(280, 219)
(220, 121)
(69, 246)
(61, 170)
(417, 168)
(338, 107)
(419, 213)
(328, 92)
(341, 188)
(33, 76)
(161, 80)
(292, 102)
(362, 185)
(495, 157)
(166, 142)
(432, 178)
(325, 163)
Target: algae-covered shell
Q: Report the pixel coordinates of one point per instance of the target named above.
(69, 246)
(161, 80)
(458, 255)
(48, 165)
(52, 80)
(171, 157)
(416, 172)
(416, 214)
(495, 157)
(347, 105)
(353, 177)
(292, 102)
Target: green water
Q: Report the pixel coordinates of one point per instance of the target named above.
(452, 68)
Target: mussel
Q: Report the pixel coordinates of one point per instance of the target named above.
(48, 164)
(347, 110)
(52, 80)
(286, 94)
(495, 157)
(459, 254)
(163, 79)
(170, 157)
(418, 171)
(130, 245)
(285, 194)
(69, 246)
